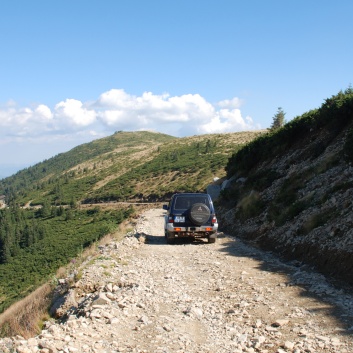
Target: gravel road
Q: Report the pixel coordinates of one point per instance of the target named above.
(199, 297)
(230, 297)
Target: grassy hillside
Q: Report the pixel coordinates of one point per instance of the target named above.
(72, 174)
(125, 166)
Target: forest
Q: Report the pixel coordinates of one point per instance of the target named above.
(34, 243)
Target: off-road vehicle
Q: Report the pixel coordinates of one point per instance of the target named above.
(190, 215)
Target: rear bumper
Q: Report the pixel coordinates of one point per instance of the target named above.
(173, 231)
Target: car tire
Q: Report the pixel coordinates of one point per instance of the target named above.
(211, 240)
(170, 240)
(199, 213)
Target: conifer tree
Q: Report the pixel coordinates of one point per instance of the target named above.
(278, 119)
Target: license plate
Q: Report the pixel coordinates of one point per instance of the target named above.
(179, 219)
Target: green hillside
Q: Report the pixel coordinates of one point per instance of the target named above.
(305, 140)
(125, 166)
(71, 175)
(325, 124)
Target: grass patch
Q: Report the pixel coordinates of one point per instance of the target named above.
(26, 317)
(262, 179)
(249, 206)
(315, 221)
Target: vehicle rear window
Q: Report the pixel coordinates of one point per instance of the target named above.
(185, 202)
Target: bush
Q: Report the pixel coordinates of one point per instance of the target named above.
(333, 116)
(249, 206)
(262, 179)
(315, 220)
(348, 146)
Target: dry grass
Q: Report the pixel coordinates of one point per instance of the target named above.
(25, 318)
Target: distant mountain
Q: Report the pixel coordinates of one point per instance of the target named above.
(136, 166)
(7, 170)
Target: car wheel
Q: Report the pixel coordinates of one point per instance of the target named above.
(199, 213)
(170, 241)
(211, 240)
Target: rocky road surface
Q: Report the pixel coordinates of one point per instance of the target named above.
(142, 295)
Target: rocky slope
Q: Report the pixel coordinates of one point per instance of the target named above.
(305, 212)
(142, 295)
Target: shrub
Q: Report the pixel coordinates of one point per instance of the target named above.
(333, 116)
(249, 206)
(281, 214)
(348, 146)
(262, 179)
(314, 221)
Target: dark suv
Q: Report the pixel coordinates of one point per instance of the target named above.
(190, 215)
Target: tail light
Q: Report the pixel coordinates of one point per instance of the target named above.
(214, 220)
(170, 219)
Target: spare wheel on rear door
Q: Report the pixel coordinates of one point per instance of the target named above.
(199, 213)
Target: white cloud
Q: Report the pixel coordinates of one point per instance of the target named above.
(230, 103)
(115, 98)
(44, 112)
(227, 120)
(19, 121)
(115, 109)
(74, 113)
(125, 109)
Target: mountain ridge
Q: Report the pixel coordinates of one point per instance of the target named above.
(106, 169)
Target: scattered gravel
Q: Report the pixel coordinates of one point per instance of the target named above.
(142, 295)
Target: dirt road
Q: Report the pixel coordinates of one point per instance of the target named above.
(199, 297)
(229, 297)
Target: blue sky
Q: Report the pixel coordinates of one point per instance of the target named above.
(72, 70)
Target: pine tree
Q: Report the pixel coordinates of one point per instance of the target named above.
(278, 119)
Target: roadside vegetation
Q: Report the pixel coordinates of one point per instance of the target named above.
(332, 117)
(307, 136)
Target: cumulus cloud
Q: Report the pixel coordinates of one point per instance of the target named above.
(44, 112)
(25, 121)
(115, 109)
(73, 113)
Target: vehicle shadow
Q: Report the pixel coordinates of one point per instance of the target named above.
(161, 240)
(332, 298)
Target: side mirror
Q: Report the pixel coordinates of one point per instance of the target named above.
(165, 207)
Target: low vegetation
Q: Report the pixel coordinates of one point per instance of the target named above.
(307, 137)
(331, 118)
(34, 244)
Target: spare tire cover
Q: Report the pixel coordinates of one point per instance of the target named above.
(199, 213)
